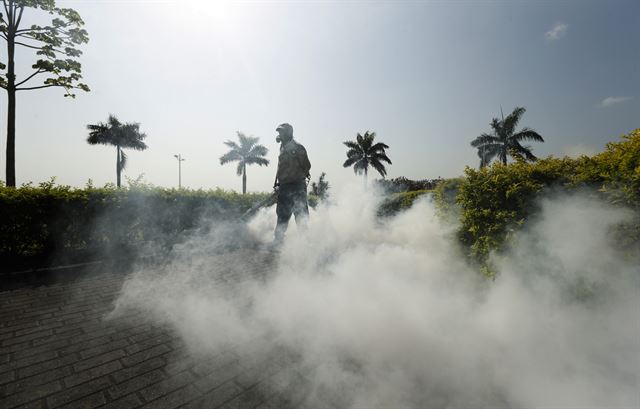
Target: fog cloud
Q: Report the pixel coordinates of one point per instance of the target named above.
(388, 314)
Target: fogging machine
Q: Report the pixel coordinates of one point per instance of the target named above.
(269, 201)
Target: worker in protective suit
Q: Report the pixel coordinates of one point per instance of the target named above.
(291, 181)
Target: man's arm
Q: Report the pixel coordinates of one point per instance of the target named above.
(304, 160)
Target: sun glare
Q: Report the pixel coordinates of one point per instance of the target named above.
(219, 14)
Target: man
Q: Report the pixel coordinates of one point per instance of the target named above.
(293, 170)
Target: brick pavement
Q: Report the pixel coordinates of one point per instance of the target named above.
(57, 350)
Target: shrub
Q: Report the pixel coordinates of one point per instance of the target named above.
(45, 220)
(320, 190)
(445, 195)
(402, 184)
(399, 202)
(495, 201)
(619, 167)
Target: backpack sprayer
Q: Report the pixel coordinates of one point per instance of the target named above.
(269, 201)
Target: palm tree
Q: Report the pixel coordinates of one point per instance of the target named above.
(363, 153)
(247, 153)
(484, 158)
(505, 140)
(121, 136)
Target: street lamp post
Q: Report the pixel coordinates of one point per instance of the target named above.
(180, 160)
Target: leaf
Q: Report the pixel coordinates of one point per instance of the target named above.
(56, 45)
(363, 153)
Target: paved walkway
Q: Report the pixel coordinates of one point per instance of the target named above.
(58, 351)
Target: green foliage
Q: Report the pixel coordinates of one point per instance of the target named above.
(313, 200)
(363, 153)
(56, 45)
(444, 195)
(619, 165)
(49, 218)
(495, 201)
(402, 184)
(399, 202)
(320, 189)
(56, 48)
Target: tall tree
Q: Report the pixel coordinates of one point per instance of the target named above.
(505, 141)
(56, 48)
(248, 152)
(363, 153)
(484, 158)
(121, 136)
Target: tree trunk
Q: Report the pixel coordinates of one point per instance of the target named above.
(118, 166)
(244, 178)
(11, 108)
(11, 137)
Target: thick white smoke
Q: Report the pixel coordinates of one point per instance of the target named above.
(387, 314)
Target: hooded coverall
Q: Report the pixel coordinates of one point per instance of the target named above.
(293, 169)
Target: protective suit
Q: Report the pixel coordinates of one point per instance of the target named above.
(293, 170)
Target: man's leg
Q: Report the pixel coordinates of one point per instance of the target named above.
(284, 208)
(301, 207)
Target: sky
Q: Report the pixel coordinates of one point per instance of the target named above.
(426, 76)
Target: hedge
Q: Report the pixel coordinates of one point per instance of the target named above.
(490, 204)
(398, 202)
(496, 201)
(39, 221)
(402, 184)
